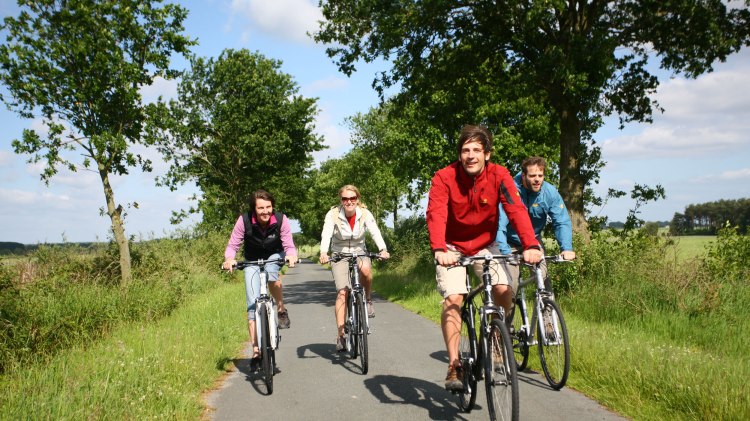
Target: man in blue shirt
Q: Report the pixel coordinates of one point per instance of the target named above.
(543, 201)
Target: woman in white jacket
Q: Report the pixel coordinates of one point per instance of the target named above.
(344, 232)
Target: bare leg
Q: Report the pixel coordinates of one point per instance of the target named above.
(365, 278)
(276, 292)
(253, 339)
(450, 322)
(340, 310)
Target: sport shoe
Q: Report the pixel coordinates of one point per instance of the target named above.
(370, 309)
(284, 320)
(340, 344)
(453, 379)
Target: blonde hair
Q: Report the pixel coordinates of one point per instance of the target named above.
(353, 188)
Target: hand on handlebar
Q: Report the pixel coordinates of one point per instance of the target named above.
(324, 258)
(532, 256)
(384, 254)
(229, 265)
(443, 258)
(291, 260)
(568, 255)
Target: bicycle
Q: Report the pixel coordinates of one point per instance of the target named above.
(493, 361)
(551, 331)
(357, 324)
(266, 320)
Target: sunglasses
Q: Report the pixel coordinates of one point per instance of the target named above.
(349, 199)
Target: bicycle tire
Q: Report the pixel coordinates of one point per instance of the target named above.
(519, 336)
(500, 375)
(351, 335)
(554, 353)
(362, 332)
(467, 354)
(266, 348)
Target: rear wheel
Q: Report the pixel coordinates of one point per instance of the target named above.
(467, 354)
(267, 354)
(554, 349)
(519, 337)
(500, 376)
(362, 333)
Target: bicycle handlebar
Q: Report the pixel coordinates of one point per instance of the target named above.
(260, 262)
(336, 257)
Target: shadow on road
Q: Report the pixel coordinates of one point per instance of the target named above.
(440, 356)
(396, 390)
(309, 292)
(328, 352)
(252, 374)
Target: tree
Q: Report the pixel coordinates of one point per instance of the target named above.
(80, 65)
(577, 60)
(238, 125)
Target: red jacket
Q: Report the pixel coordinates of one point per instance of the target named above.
(463, 210)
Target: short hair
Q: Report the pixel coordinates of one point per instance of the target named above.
(260, 194)
(533, 160)
(479, 134)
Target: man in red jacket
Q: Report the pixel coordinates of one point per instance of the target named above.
(462, 217)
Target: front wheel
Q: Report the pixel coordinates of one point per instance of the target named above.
(352, 339)
(500, 375)
(554, 349)
(362, 333)
(467, 354)
(519, 336)
(266, 349)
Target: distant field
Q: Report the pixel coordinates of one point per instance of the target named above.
(690, 246)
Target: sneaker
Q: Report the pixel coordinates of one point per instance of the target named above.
(340, 344)
(284, 320)
(453, 379)
(370, 309)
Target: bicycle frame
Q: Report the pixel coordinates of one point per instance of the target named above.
(539, 295)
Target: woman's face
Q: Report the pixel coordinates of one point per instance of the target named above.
(263, 211)
(349, 201)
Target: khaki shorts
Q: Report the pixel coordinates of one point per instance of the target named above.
(340, 271)
(452, 281)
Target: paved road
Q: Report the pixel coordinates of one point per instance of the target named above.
(405, 380)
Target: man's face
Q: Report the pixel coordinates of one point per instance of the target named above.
(533, 178)
(263, 211)
(473, 157)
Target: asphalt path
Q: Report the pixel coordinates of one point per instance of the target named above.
(405, 381)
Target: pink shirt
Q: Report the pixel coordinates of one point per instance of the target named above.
(238, 236)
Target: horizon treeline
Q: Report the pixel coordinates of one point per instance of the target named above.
(707, 218)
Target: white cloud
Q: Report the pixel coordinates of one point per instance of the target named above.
(17, 197)
(330, 83)
(663, 140)
(161, 87)
(6, 158)
(742, 174)
(287, 19)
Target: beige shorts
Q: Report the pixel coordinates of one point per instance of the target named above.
(452, 281)
(340, 271)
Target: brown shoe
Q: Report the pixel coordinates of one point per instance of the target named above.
(453, 379)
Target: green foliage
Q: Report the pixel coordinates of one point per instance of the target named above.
(708, 218)
(62, 296)
(543, 72)
(238, 125)
(80, 66)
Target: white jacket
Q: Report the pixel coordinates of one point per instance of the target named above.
(338, 235)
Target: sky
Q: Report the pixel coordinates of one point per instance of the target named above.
(698, 149)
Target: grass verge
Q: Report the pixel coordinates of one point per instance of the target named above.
(141, 371)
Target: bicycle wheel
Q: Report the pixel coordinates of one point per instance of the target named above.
(351, 335)
(554, 349)
(519, 336)
(467, 354)
(500, 376)
(266, 351)
(362, 332)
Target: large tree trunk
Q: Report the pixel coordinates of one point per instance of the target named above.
(115, 215)
(571, 180)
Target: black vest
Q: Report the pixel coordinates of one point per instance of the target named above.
(259, 243)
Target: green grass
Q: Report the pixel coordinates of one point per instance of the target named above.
(691, 246)
(141, 371)
(656, 363)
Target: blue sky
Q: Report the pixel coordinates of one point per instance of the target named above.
(698, 149)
